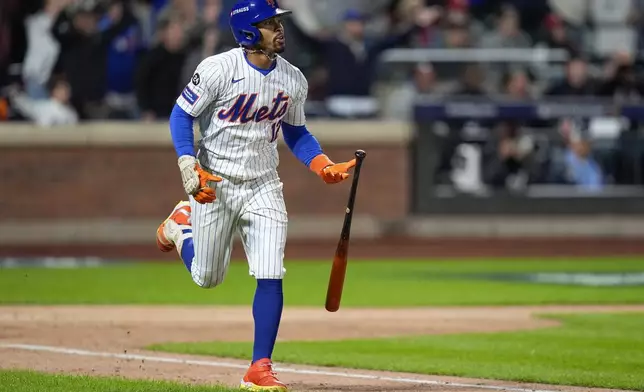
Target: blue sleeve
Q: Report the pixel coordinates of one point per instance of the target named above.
(182, 131)
(300, 141)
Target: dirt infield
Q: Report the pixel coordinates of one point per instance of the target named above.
(110, 340)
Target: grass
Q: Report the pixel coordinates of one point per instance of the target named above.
(596, 350)
(27, 381)
(407, 283)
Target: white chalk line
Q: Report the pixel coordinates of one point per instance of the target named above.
(281, 369)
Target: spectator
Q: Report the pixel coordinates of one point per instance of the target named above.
(580, 167)
(557, 35)
(7, 9)
(144, 12)
(210, 43)
(472, 81)
(457, 28)
(42, 48)
(574, 12)
(508, 158)
(318, 17)
(454, 30)
(122, 56)
(576, 82)
(454, 35)
(636, 19)
(49, 112)
(572, 163)
(158, 82)
(350, 64)
(400, 102)
(621, 81)
(185, 12)
(402, 11)
(84, 53)
(212, 11)
(12, 39)
(508, 33)
(158, 5)
(531, 14)
(629, 157)
(516, 85)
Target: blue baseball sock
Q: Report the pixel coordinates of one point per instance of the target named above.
(187, 249)
(267, 313)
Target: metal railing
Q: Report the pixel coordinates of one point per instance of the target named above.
(502, 55)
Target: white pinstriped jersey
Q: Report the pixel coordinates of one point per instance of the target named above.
(239, 111)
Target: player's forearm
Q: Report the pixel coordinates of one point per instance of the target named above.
(302, 143)
(307, 149)
(182, 132)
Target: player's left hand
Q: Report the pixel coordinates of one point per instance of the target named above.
(337, 172)
(329, 171)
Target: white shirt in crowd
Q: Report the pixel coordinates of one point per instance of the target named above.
(45, 112)
(42, 48)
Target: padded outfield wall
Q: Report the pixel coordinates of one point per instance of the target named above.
(83, 190)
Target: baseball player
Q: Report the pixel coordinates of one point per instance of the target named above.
(243, 99)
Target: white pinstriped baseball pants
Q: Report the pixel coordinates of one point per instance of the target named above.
(253, 209)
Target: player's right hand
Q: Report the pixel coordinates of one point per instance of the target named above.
(195, 180)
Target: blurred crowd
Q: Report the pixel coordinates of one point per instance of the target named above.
(65, 61)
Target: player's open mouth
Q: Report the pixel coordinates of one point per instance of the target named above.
(280, 39)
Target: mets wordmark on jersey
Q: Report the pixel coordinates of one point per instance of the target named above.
(240, 109)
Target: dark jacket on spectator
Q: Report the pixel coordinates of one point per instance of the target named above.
(158, 81)
(13, 40)
(349, 74)
(624, 85)
(565, 89)
(83, 59)
(613, 89)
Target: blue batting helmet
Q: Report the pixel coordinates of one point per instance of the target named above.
(246, 14)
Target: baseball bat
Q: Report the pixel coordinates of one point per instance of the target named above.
(339, 266)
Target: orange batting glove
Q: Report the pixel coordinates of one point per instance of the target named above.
(330, 172)
(195, 180)
(205, 194)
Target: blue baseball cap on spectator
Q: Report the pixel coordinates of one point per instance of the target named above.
(353, 14)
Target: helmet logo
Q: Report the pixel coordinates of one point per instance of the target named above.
(272, 3)
(239, 10)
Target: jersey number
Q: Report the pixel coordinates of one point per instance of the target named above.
(275, 131)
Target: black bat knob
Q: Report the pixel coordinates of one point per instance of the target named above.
(360, 154)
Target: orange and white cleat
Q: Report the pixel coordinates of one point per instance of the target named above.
(261, 377)
(180, 215)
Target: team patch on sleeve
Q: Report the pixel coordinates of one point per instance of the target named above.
(190, 95)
